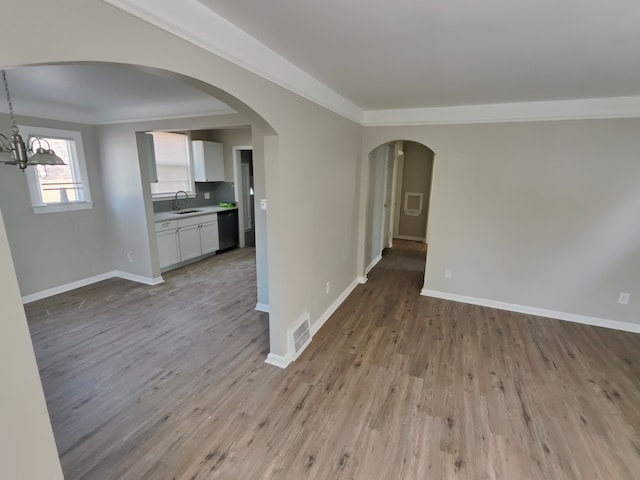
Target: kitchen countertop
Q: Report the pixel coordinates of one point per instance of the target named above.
(164, 216)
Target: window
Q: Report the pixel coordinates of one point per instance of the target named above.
(56, 188)
(172, 161)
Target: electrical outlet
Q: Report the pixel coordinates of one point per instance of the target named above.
(263, 203)
(448, 273)
(327, 287)
(207, 195)
(624, 298)
(130, 257)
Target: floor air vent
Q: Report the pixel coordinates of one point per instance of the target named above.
(300, 335)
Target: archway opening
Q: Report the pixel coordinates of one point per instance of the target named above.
(126, 222)
(399, 180)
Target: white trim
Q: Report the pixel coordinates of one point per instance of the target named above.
(138, 278)
(78, 168)
(315, 326)
(373, 264)
(278, 360)
(399, 175)
(262, 307)
(50, 292)
(62, 207)
(362, 280)
(409, 237)
(201, 26)
(592, 108)
(541, 312)
(175, 116)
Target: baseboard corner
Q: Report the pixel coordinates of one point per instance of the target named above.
(262, 307)
(277, 360)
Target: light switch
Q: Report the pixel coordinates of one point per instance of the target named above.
(263, 203)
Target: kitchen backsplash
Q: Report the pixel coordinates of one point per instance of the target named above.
(219, 191)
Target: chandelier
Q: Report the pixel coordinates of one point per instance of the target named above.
(14, 151)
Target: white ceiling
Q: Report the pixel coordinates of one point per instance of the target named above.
(104, 93)
(432, 53)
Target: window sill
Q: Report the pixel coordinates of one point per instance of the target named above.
(62, 207)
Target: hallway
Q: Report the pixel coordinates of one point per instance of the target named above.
(169, 382)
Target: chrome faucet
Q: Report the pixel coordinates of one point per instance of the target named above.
(176, 203)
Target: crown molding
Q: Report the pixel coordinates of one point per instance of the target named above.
(586, 109)
(52, 111)
(201, 26)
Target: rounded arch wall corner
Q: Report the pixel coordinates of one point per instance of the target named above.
(254, 118)
(377, 144)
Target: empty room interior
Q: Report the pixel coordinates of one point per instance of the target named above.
(293, 240)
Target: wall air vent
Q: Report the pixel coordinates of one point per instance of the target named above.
(300, 335)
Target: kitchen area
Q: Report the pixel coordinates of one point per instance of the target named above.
(200, 219)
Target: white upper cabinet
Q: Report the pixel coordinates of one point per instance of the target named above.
(208, 161)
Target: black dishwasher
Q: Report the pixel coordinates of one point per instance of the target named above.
(228, 229)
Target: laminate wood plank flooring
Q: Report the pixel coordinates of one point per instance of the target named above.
(169, 382)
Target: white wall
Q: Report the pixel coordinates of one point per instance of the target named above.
(539, 214)
(80, 238)
(27, 448)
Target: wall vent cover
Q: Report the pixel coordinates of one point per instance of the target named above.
(300, 335)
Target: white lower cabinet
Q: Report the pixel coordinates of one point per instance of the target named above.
(189, 242)
(185, 239)
(168, 247)
(209, 239)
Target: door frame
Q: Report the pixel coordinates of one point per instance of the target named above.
(237, 188)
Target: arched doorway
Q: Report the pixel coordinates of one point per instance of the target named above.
(139, 213)
(399, 176)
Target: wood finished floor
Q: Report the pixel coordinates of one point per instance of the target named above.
(168, 382)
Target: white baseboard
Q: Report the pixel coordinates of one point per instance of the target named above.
(362, 280)
(315, 326)
(262, 307)
(373, 264)
(408, 237)
(284, 361)
(50, 292)
(278, 360)
(138, 278)
(541, 312)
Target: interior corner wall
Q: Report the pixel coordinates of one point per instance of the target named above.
(127, 209)
(537, 214)
(54, 249)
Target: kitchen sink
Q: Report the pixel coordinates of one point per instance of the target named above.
(182, 212)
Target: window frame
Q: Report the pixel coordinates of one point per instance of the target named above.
(80, 165)
(191, 192)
